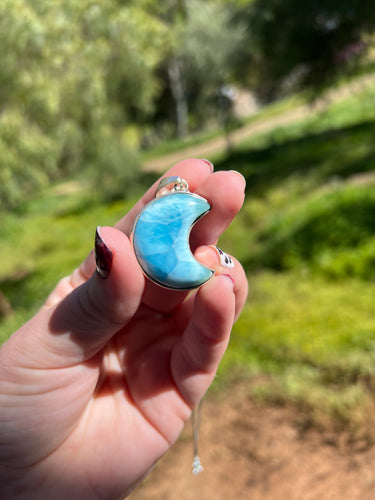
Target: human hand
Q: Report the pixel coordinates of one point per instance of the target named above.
(96, 387)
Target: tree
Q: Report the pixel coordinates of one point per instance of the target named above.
(201, 55)
(71, 76)
(209, 52)
(28, 156)
(308, 42)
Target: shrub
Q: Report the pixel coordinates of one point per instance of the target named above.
(332, 234)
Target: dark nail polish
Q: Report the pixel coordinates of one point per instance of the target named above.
(103, 255)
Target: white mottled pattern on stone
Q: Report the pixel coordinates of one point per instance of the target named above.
(161, 241)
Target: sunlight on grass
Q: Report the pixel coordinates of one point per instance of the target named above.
(314, 339)
(304, 319)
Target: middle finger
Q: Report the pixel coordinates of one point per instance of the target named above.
(225, 191)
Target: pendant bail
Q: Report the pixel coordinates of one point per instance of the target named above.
(171, 185)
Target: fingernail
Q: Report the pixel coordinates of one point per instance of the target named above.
(211, 165)
(103, 255)
(225, 260)
(230, 277)
(238, 173)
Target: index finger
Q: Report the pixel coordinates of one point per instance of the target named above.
(194, 171)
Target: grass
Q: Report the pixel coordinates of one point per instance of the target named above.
(306, 238)
(315, 341)
(45, 242)
(305, 235)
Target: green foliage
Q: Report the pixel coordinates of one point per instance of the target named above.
(116, 171)
(70, 73)
(208, 48)
(346, 262)
(209, 51)
(308, 43)
(76, 77)
(200, 58)
(332, 233)
(28, 158)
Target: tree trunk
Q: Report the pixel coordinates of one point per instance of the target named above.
(224, 112)
(179, 95)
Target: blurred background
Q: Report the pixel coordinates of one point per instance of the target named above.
(98, 98)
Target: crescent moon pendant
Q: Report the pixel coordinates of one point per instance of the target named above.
(161, 240)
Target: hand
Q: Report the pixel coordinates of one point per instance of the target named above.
(96, 387)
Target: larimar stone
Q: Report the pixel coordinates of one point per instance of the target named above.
(161, 240)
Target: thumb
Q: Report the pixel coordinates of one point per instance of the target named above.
(80, 326)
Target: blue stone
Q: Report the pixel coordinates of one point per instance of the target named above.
(161, 240)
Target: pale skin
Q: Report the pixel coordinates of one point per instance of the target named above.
(97, 386)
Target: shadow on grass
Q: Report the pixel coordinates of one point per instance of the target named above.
(340, 228)
(325, 155)
(15, 289)
(309, 230)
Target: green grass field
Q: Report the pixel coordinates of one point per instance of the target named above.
(306, 236)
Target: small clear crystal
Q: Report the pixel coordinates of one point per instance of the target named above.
(197, 467)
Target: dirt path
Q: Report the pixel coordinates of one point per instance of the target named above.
(214, 146)
(251, 451)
